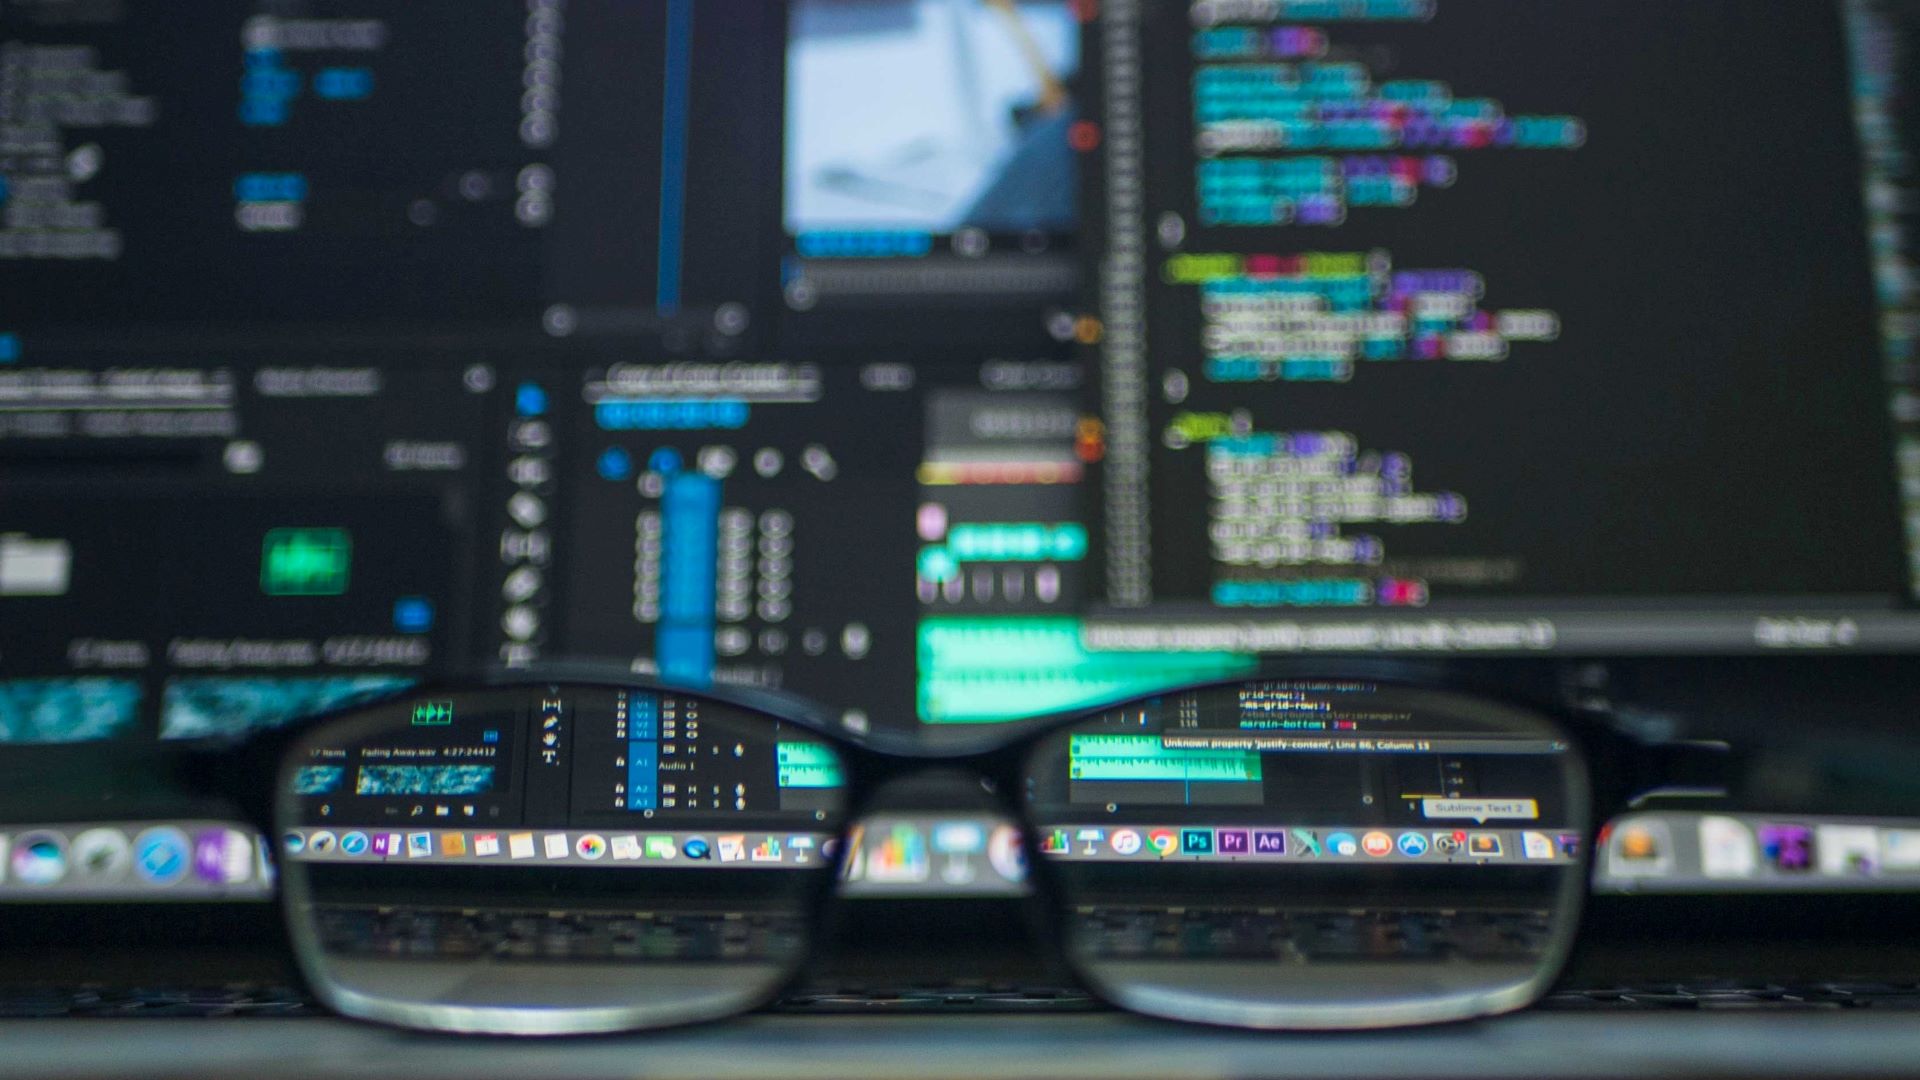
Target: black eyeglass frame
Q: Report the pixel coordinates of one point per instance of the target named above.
(1609, 772)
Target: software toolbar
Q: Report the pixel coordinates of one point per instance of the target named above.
(1281, 844)
(1690, 853)
(467, 847)
(956, 856)
(145, 860)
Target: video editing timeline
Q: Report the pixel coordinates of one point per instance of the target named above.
(749, 510)
(1000, 573)
(260, 164)
(575, 757)
(742, 515)
(1327, 361)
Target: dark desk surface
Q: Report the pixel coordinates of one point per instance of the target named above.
(1105, 1047)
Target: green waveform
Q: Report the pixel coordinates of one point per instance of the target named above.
(1143, 757)
(808, 765)
(988, 669)
(305, 562)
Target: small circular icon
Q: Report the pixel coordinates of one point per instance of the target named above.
(1377, 844)
(1412, 844)
(1164, 842)
(40, 858)
(162, 856)
(292, 842)
(1005, 855)
(1125, 842)
(1343, 844)
(591, 846)
(102, 854)
(696, 848)
(1637, 843)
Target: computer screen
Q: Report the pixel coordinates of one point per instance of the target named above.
(942, 361)
(1553, 326)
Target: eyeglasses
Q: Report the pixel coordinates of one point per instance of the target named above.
(574, 857)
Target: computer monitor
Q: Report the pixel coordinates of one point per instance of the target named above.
(940, 360)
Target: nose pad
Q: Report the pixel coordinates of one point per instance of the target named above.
(938, 833)
(934, 894)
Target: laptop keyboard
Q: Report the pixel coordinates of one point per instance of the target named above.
(1720, 994)
(97, 1002)
(1309, 936)
(1296, 936)
(1112, 932)
(547, 936)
